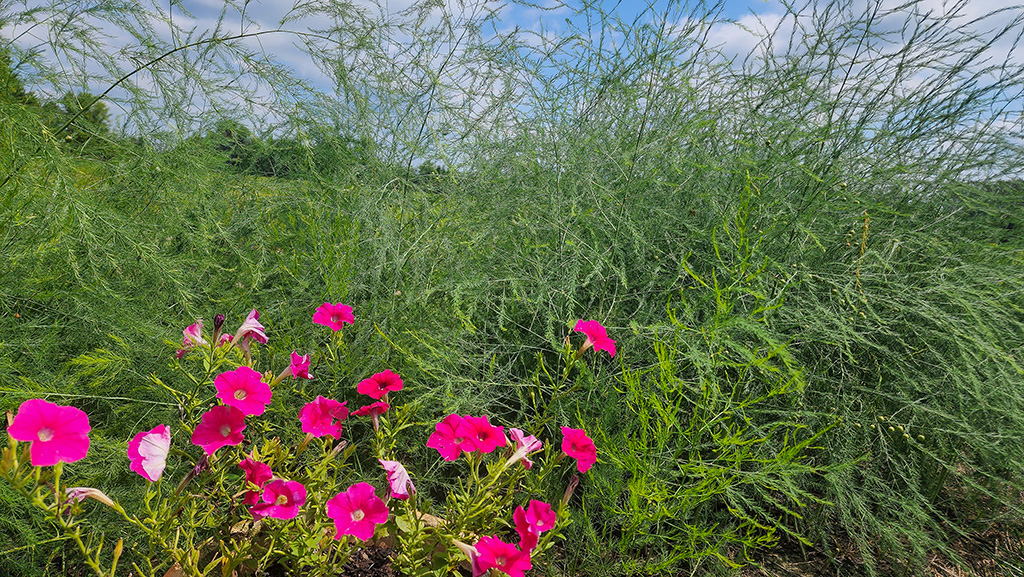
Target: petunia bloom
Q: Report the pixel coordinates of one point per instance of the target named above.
(333, 315)
(481, 434)
(374, 410)
(399, 479)
(357, 512)
(497, 554)
(323, 417)
(380, 384)
(576, 444)
(58, 434)
(79, 494)
(256, 473)
(597, 337)
(250, 329)
(537, 518)
(300, 366)
(525, 444)
(281, 500)
(193, 336)
(148, 451)
(244, 389)
(447, 438)
(474, 557)
(218, 427)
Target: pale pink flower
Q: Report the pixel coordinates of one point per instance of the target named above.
(58, 434)
(380, 384)
(483, 436)
(399, 479)
(357, 512)
(525, 444)
(323, 417)
(474, 557)
(597, 337)
(576, 444)
(244, 389)
(300, 366)
(219, 427)
(334, 316)
(497, 554)
(281, 500)
(447, 438)
(250, 329)
(148, 451)
(193, 337)
(79, 494)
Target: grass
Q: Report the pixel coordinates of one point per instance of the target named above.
(796, 249)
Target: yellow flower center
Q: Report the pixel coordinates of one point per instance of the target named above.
(358, 515)
(240, 394)
(45, 434)
(281, 500)
(500, 561)
(225, 430)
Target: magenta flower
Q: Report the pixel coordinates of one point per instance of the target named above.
(322, 417)
(576, 444)
(256, 472)
(193, 336)
(481, 434)
(281, 500)
(399, 479)
(334, 316)
(497, 554)
(447, 438)
(58, 434)
(379, 384)
(532, 521)
(526, 444)
(250, 329)
(597, 337)
(148, 450)
(300, 366)
(374, 410)
(357, 512)
(218, 427)
(244, 389)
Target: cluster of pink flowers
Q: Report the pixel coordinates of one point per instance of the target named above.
(60, 434)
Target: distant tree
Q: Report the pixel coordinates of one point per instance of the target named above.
(88, 132)
(12, 90)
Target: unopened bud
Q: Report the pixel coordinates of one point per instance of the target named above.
(218, 321)
(573, 482)
(79, 494)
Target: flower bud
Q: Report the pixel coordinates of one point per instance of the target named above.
(218, 321)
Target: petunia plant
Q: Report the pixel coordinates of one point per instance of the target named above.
(228, 493)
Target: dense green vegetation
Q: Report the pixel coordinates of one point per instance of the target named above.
(810, 255)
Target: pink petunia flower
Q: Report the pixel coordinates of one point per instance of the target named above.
(474, 557)
(148, 451)
(374, 410)
(322, 417)
(482, 435)
(250, 329)
(58, 434)
(281, 500)
(357, 512)
(497, 554)
(525, 444)
(256, 473)
(300, 366)
(537, 518)
(447, 438)
(334, 316)
(218, 427)
(399, 479)
(597, 337)
(380, 384)
(244, 389)
(193, 337)
(576, 444)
